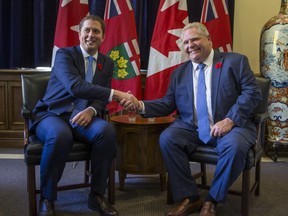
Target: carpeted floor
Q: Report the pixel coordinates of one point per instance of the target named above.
(141, 196)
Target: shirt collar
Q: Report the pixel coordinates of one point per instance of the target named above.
(208, 61)
(85, 54)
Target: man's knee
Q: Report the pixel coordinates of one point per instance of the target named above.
(105, 133)
(236, 147)
(165, 138)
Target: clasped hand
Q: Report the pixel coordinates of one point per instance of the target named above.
(129, 101)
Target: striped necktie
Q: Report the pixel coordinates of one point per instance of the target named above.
(202, 109)
(89, 73)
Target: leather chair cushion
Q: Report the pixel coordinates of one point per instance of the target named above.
(33, 151)
(208, 154)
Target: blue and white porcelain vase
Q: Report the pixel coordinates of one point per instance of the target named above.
(274, 65)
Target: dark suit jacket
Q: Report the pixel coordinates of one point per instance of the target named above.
(67, 84)
(235, 92)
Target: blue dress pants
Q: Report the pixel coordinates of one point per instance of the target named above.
(57, 135)
(177, 146)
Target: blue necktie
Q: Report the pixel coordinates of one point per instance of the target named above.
(81, 104)
(89, 73)
(202, 109)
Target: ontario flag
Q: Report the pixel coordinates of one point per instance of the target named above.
(121, 45)
(166, 51)
(70, 13)
(215, 17)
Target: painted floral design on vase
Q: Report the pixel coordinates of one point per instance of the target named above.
(274, 65)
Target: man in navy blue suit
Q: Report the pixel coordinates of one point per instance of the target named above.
(230, 97)
(71, 109)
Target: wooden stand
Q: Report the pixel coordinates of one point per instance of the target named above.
(138, 150)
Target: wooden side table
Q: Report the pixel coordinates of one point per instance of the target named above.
(138, 150)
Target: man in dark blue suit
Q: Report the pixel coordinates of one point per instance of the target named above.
(230, 97)
(71, 109)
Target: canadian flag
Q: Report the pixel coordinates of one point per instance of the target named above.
(121, 45)
(215, 17)
(166, 51)
(70, 13)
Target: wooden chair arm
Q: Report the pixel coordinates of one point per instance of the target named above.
(260, 121)
(26, 131)
(25, 113)
(261, 117)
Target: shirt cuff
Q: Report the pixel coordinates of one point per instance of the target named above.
(95, 112)
(143, 110)
(111, 95)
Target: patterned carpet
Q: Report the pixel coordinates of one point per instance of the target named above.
(141, 196)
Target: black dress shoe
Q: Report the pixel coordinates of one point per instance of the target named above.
(46, 208)
(98, 203)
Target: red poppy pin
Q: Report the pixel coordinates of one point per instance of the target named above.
(99, 66)
(218, 65)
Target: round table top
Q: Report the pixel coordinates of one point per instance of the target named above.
(139, 120)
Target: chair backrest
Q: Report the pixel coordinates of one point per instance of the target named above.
(264, 85)
(33, 89)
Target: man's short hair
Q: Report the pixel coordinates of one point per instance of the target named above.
(95, 18)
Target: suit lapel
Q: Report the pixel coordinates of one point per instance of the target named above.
(99, 67)
(100, 63)
(80, 60)
(189, 80)
(216, 73)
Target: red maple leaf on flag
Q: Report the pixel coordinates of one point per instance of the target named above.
(166, 52)
(70, 13)
(164, 28)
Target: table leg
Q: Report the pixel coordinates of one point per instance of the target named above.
(163, 181)
(122, 177)
(276, 146)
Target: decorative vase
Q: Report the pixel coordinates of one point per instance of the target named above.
(274, 65)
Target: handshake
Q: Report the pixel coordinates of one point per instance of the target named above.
(128, 101)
